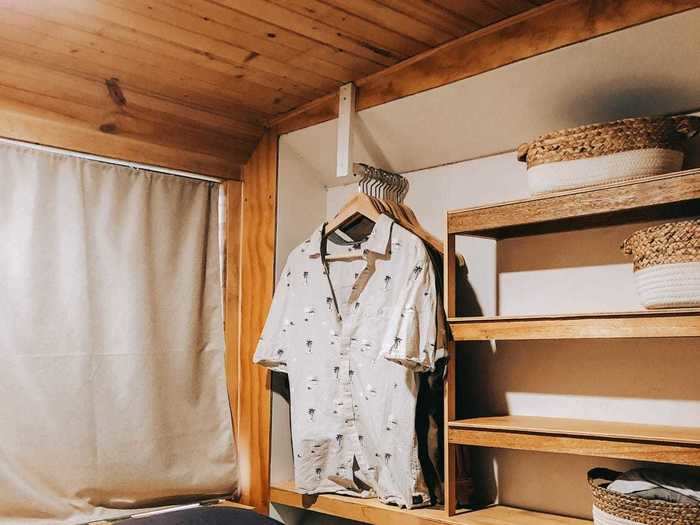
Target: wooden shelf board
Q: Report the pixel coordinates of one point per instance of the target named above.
(372, 511)
(667, 444)
(678, 322)
(660, 197)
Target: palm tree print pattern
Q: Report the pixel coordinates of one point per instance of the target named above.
(417, 269)
(387, 282)
(322, 345)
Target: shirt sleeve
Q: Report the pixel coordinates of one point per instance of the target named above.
(273, 346)
(412, 336)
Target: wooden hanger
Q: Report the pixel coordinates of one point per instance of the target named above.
(361, 205)
(371, 207)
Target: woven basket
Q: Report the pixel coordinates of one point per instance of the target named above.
(613, 508)
(667, 264)
(610, 152)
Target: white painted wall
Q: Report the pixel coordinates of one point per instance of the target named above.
(629, 381)
(643, 70)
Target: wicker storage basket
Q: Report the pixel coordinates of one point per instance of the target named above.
(667, 264)
(613, 508)
(610, 152)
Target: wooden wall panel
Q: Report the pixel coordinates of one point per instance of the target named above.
(257, 274)
(551, 26)
(76, 111)
(232, 295)
(25, 118)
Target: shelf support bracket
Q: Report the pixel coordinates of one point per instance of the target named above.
(346, 115)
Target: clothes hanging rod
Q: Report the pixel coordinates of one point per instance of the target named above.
(108, 160)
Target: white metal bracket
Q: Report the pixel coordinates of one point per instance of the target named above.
(346, 115)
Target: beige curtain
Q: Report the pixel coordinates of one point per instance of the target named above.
(112, 385)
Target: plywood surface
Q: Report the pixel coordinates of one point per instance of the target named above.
(584, 428)
(372, 511)
(673, 194)
(677, 445)
(194, 82)
(256, 289)
(528, 33)
(683, 322)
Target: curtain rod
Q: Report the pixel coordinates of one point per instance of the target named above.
(108, 160)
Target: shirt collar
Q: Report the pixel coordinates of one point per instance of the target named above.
(377, 242)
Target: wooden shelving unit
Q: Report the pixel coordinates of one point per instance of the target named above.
(670, 196)
(666, 196)
(371, 511)
(659, 323)
(679, 445)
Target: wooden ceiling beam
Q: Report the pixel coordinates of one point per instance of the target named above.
(30, 122)
(92, 103)
(551, 26)
(96, 104)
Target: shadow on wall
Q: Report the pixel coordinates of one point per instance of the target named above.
(625, 380)
(617, 102)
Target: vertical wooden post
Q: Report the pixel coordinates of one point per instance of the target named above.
(232, 287)
(257, 274)
(346, 114)
(450, 289)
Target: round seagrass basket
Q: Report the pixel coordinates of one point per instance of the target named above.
(609, 152)
(613, 508)
(667, 264)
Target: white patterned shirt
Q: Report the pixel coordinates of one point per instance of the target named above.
(353, 335)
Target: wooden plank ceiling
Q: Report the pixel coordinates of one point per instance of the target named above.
(191, 84)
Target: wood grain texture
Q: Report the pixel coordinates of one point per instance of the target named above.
(257, 281)
(232, 296)
(650, 323)
(201, 79)
(677, 445)
(450, 386)
(662, 196)
(75, 127)
(554, 25)
(527, 34)
(374, 512)
(582, 428)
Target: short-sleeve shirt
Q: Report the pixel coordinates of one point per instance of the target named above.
(353, 336)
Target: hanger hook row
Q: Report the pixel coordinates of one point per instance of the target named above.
(382, 184)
